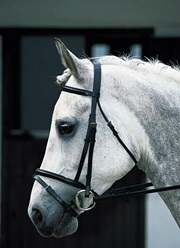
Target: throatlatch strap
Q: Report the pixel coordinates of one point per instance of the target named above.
(115, 133)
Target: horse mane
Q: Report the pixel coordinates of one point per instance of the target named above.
(151, 66)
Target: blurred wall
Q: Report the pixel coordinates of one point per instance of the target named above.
(0, 125)
(163, 15)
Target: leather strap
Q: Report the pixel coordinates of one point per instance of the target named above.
(48, 188)
(115, 133)
(60, 178)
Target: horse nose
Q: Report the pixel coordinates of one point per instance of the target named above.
(41, 221)
(36, 217)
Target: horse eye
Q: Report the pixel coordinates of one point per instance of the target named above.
(65, 128)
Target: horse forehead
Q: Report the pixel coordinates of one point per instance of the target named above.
(71, 105)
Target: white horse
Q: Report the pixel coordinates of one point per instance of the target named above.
(142, 100)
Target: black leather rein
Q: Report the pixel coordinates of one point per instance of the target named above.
(88, 149)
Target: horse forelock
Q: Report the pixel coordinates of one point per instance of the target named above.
(60, 79)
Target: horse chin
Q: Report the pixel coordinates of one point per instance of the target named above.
(67, 226)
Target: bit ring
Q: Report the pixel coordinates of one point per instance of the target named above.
(78, 203)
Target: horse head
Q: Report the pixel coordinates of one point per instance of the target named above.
(68, 131)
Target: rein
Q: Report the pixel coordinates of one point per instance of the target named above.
(88, 149)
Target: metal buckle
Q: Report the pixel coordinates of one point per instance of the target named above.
(78, 202)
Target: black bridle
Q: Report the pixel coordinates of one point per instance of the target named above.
(88, 149)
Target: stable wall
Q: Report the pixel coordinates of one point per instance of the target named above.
(163, 15)
(0, 126)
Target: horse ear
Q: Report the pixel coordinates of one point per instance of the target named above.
(69, 60)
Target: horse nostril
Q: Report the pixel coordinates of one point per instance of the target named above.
(37, 216)
(42, 222)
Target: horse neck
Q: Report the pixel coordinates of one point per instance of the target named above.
(149, 106)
